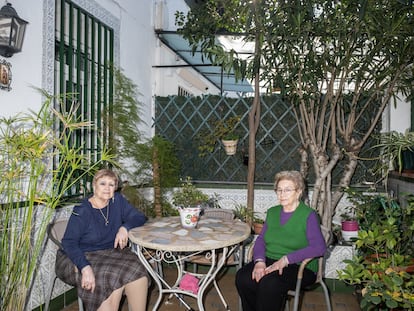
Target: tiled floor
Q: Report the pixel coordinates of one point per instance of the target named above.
(313, 301)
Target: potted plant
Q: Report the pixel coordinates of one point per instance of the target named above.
(383, 266)
(396, 150)
(241, 212)
(224, 130)
(189, 201)
(257, 224)
(349, 229)
(349, 221)
(40, 168)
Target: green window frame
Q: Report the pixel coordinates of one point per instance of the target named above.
(84, 55)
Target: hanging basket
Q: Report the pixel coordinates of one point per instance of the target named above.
(230, 146)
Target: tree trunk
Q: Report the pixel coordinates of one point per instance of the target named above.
(254, 115)
(157, 182)
(254, 122)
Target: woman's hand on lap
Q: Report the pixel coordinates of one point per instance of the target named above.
(258, 271)
(121, 238)
(88, 278)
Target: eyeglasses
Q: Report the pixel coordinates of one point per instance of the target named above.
(284, 191)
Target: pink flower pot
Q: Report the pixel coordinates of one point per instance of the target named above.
(349, 230)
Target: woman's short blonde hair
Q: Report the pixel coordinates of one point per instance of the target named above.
(294, 176)
(105, 173)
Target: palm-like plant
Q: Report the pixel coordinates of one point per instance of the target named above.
(38, 167)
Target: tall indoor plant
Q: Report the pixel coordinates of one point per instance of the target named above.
(39, 165)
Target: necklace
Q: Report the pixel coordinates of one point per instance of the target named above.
(100, 210)
(107, 214)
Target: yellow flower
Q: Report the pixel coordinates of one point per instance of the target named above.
(376, 294)
(408, 296)
(389, 270)
(395, 294)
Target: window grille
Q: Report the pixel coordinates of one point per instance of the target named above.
(183, 92)
(84, 54)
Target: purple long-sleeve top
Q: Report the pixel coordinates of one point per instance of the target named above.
(316, 244)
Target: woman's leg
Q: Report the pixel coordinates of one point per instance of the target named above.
(136, 293)
(112, 302)
(246, 287)
(272, 289)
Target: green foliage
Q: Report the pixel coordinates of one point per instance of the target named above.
(168, 162)
(151, 161)
(319, 53)
(391, 146)
(244, 214)
(384, 224)
(188, 195)
(125, 122)
(39, 167)
(132, 150)
(137, 199)
(384, 250)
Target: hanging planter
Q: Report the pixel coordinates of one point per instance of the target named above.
(224, 130)
(230, 146)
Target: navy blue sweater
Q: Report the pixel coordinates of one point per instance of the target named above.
(87, 232)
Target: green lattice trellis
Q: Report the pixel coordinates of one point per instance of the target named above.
(182, 120)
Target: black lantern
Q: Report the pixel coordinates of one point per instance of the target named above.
(12, 29)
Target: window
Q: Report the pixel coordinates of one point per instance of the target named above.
(84, 54)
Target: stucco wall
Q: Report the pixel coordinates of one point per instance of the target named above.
(26, 65)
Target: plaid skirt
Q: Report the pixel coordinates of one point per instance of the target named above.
(113, 268)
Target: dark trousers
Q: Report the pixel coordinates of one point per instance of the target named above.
(269, 294)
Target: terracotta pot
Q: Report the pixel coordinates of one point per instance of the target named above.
(257, 227)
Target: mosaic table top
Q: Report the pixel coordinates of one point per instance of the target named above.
(167, 234)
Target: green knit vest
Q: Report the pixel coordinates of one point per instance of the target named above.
(284, 239)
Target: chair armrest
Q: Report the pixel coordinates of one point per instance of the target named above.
(302, 267)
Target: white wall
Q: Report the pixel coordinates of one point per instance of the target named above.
(137, 44)
(400, 115)
(136, 52)
(27, 65)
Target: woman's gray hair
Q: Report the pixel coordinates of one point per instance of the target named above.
(294, 176)
(105, 173)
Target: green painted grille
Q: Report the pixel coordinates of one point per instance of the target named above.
(83, 59)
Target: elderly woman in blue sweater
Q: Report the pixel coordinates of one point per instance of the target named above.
(95, 256)
(291, 233)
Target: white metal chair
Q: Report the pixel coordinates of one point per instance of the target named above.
(296, 294)
(236, 259)
(55, 232)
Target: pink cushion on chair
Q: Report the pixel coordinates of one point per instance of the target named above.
(189, 283)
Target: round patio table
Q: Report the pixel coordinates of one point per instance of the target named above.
(164, 240)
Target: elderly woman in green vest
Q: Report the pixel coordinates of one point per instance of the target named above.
(291, 233)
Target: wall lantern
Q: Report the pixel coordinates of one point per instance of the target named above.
(12, 29)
